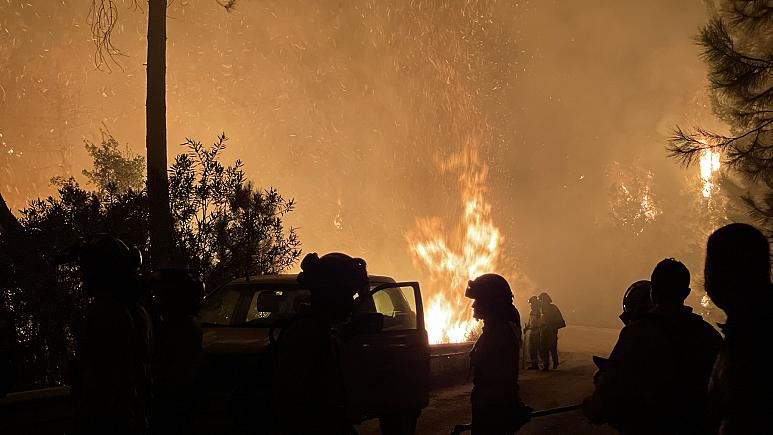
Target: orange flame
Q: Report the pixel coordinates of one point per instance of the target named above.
(709, 164)
(452, 262)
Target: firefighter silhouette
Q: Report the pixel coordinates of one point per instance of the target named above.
(496, 405)
(113, 384)
(308, 395)
(656, 377)
(551, 322)
(533, 333)
(179, 350)
(737, 279)
(637, 302)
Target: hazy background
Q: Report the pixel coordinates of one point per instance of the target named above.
(350, 107)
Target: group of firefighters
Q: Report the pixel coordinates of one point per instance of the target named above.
(669, 373)
(541, 340)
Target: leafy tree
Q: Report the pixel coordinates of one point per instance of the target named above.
(103, 18)
(48, 319)
(114, 172)
(223, 225)
(225, 228)
(738, 50)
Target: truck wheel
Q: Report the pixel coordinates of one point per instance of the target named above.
(403, 423)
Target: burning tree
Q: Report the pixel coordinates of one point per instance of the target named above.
(632, 203)
(738, 50)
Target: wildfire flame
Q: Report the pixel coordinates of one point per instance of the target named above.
(452, 262)
(632, 203)
(451, 256)
(709, 165)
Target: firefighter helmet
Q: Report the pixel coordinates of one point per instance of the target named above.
(636, 301)
(106, 255)
(489, 286)
(335, 271)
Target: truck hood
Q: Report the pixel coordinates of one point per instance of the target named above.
(234, 341)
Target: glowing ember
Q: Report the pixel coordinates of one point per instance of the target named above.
(451, 262)
(709, 165)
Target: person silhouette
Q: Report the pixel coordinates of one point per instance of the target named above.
(307, 386)
(533, 332)
(496, 406)
(656, 377)
(113, 394)
(737, 279)
(178, 295)
(551, 321)
(637, 302)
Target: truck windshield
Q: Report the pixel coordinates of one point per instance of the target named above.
(262, 304)
(235, 305)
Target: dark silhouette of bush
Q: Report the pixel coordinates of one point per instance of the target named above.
(224, 228)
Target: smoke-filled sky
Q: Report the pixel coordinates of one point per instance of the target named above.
(352, 107)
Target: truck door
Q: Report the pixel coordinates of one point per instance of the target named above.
(385, 353)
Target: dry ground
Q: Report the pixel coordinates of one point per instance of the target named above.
(541, 390)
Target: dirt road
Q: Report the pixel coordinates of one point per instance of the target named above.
(540, 390)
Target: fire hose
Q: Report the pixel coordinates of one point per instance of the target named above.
(461, 428)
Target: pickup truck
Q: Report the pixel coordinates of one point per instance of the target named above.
(384, 354)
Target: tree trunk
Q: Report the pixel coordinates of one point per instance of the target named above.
(161, 235)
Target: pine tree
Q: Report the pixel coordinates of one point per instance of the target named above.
(737, 47)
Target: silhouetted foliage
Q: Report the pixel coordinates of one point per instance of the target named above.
(225, 228)
(223, 225)
(49, 319)
(738, 50)
(114, 172)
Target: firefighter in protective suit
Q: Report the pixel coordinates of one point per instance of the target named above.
(308, 396)
(533, 333)
(738, 281)
(656, 378)
(112, 386)
(550, 322)
(637, 302)
(496, 406)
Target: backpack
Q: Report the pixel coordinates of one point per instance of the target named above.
(552, 317)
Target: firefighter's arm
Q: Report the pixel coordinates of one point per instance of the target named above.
(612, 384)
